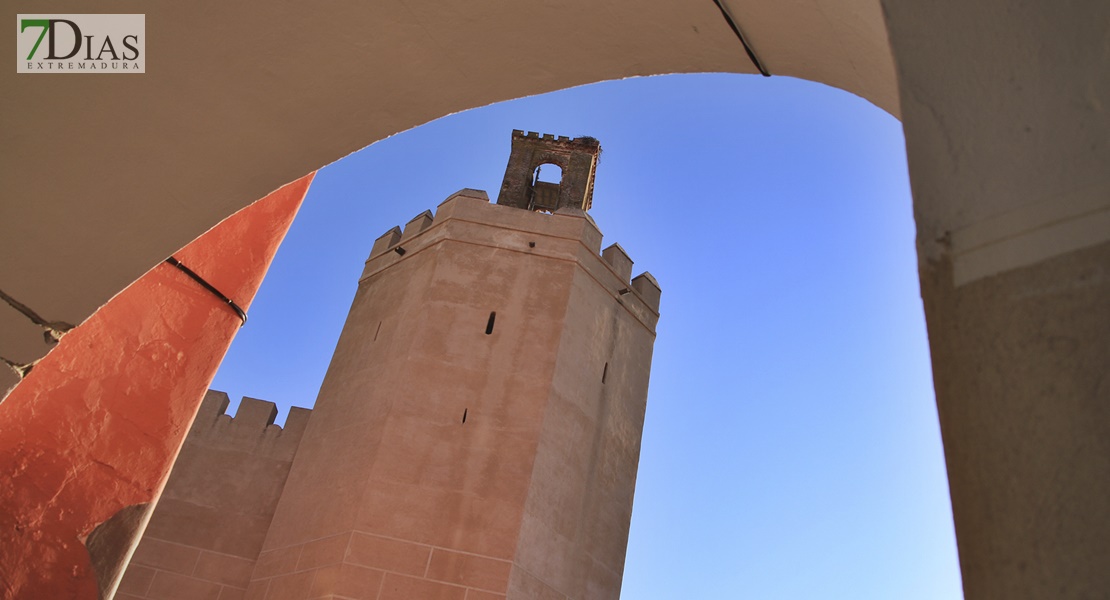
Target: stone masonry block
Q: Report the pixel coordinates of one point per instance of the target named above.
(166, 556)
(469, 570)
(398, 587)
(388, 555)
(137, 580)
(171, 586)
(322, 552)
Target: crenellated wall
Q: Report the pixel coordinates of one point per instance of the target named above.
(209, 525)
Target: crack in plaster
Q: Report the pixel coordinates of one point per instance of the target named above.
(21, 370)
(52, 330)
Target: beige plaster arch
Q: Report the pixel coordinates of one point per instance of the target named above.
(238, 100)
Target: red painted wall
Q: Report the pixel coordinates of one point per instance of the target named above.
(97, 423)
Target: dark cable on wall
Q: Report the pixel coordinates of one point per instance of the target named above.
(208, 286)
(736, 29)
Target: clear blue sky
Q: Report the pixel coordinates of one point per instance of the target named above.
(791, 448)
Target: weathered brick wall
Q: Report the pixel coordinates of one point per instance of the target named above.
(576, 157)
(208, 528)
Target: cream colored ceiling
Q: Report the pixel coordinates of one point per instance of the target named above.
(104, 176)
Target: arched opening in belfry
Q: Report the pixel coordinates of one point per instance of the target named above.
(547, 182)
(548, 173)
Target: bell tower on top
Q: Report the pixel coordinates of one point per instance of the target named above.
(576, 157)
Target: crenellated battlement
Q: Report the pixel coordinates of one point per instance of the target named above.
(584, 141)
(252, 429)
(209, 525)
(473, 206)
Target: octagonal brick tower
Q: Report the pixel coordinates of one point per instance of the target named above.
(477, 433)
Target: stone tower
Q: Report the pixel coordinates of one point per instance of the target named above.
(477, 433)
